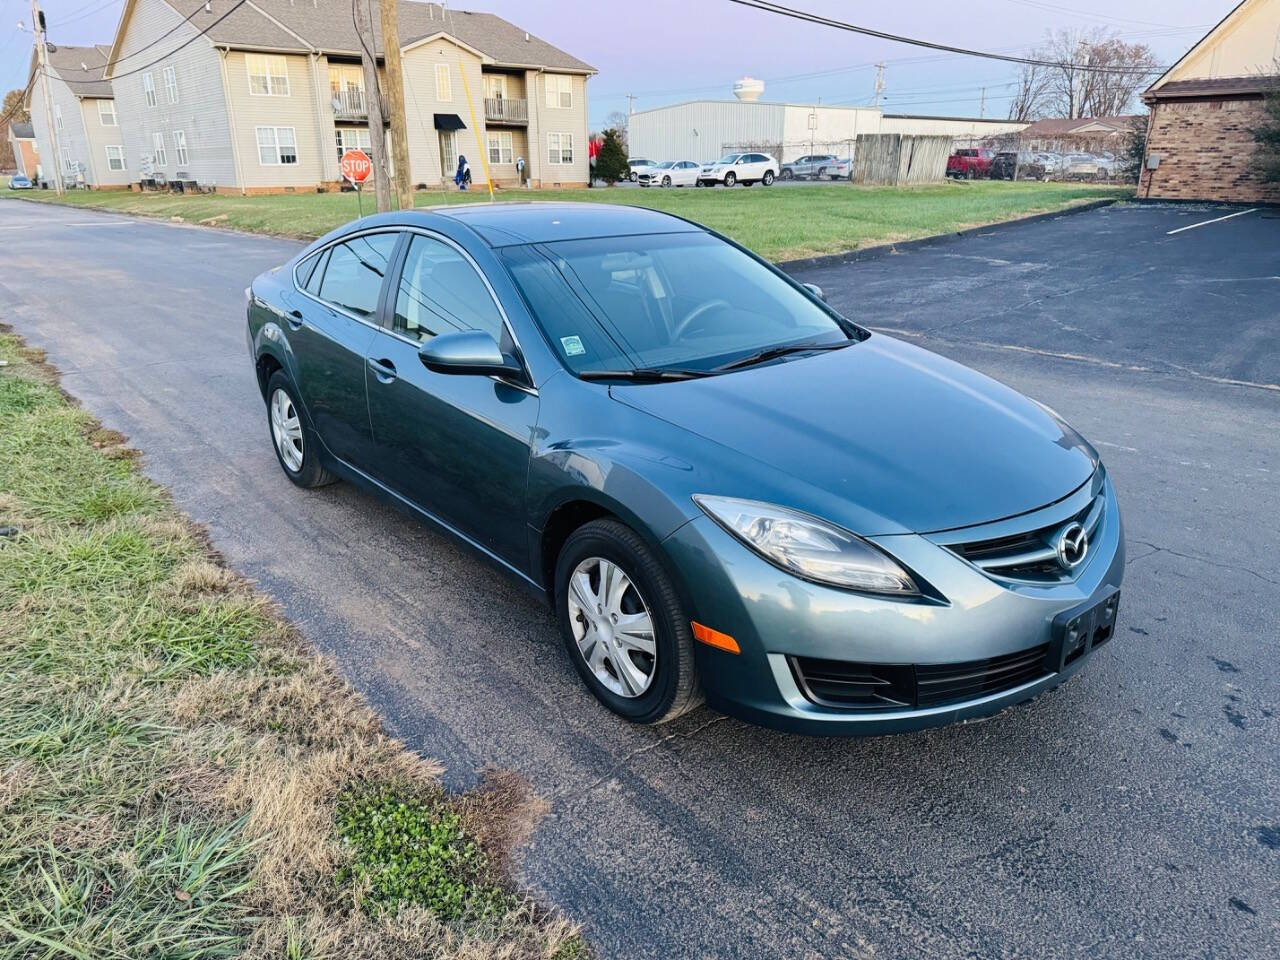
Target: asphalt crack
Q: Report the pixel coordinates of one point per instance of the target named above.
(1154, 549)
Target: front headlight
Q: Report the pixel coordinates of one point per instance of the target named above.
(808, 547)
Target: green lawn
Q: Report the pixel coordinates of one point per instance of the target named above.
(778, 223)
(179, 776)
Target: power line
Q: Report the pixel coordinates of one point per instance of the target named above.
(83, 14)
(804, 16)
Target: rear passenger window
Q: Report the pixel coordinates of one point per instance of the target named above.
(313, 282)
(440, 292)
(303, 273)
(353, 276)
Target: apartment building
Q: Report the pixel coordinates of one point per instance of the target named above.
(265, 95)
(82, 110)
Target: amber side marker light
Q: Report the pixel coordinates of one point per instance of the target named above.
(714, 638)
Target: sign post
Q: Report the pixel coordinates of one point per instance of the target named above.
(356, 167)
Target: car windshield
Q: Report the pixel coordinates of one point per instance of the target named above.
(666, 165)
(729, 158)
(685, 301)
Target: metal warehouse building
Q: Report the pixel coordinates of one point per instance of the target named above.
(703, 130)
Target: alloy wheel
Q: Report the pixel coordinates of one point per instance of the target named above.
(612, 627)
(286, 430)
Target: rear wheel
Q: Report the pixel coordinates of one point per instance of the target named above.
(634, 176)
(296, 445)
(730, 179)
(623, 625)
(767, 179)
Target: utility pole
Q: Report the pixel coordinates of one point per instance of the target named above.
(42, 64)
(982, 106)
(879, 82)
(373, 103)
(631, 103)
(395, 102)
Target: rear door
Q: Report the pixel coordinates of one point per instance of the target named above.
(332, 323)
(457, 445)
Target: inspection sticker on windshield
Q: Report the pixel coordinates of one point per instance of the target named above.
(572, 346)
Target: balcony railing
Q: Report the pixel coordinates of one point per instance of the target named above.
(504, 110)
(348, 104)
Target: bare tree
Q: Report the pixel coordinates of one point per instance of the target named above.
(617, 120)
(1031, 93)
(1067, 89)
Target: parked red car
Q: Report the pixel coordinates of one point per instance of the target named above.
(970, 164)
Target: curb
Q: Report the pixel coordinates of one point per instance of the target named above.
(888, 249)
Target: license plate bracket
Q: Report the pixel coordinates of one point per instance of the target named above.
(1076, 632)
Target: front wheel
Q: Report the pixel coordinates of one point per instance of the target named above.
(623, 625)
(634, 176)
(730, 179)
(296, 445)
(767, 179)
(666, 181)
(787, 174)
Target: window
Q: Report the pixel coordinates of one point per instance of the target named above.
(107, 113)
(68, 165)
(115, 158)
(559, 91)
(559, 148)
(57, 116)
(268, 75)
(440, 292)
(346, 89)
(444, 88)
(180, 147)
(353, 276)
(500, 147)
(158, 155)
(149, 88)
(351, 138)
(495, 86)
(276, 146)
(312, 285)
(171, 84)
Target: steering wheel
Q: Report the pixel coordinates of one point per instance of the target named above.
(695, 313)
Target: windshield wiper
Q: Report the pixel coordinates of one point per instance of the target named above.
(772, 353)
(644, 374)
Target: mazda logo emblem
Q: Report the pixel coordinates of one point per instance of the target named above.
(1073, 544)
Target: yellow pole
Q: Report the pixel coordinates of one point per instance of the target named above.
(484, 159)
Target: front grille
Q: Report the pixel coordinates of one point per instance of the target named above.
(1032, 554)
(875, 686)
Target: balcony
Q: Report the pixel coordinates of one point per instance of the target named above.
(505, 110)
(348, 104)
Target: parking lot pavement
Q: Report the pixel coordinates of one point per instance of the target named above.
(1134, 812)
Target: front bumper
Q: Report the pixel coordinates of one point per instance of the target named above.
(777, 618)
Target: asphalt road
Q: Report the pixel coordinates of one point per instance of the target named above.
(1134, 812)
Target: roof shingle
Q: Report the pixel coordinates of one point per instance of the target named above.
(82, 69)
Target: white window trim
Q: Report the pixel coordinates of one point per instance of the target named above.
(57, 117)
(171, 84)
(505, 143)
(102, 114)
(267, 60)
(444, 83)
(181, 156)
(149, 88)
(124, 165)
(560, 141)
(560, 79)
(159, 155)
(275, 133)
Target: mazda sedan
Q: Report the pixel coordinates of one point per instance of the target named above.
(725, 489)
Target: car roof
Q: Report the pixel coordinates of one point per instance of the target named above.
(509, 224)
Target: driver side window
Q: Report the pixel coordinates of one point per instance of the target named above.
(441, 292)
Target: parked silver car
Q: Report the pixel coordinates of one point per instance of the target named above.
(811, 165)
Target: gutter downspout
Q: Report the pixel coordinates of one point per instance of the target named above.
(93, 166)
(231, 121)
(325, 153)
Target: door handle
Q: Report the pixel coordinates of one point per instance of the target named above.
(384, 370)
(294, 318)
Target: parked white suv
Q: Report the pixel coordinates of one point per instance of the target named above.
(744, 168)
(639, 166)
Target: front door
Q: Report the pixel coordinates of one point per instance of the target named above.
(448, 155)
(456, 444)
(331, 327)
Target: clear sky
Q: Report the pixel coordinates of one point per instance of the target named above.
(665, 51)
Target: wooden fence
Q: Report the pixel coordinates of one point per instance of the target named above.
(896, 158)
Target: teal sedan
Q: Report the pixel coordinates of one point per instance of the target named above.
(726, 490)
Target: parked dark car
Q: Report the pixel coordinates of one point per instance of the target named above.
(722, 486)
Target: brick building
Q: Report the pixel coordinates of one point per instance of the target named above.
(1203, 108)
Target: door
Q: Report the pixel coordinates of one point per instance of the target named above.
(331, 327)
(448, 155)
(456, 444)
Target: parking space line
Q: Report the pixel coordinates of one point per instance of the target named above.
(1205, 223)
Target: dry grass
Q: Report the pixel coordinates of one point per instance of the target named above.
(173, 758)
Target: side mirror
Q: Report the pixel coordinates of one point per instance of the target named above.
(468, 351)
(816, 291)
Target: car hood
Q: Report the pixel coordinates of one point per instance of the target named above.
(886, 429)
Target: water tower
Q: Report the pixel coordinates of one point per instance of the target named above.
(748, 89)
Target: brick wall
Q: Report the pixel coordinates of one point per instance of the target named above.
(1204, 149)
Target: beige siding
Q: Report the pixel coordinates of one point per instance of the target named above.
(298, 110)
(422, 101)
(72, 137)
(1246, 45)
(544, 120)
(98, 137)
(201, 110)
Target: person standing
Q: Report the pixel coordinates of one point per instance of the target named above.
(463, 177)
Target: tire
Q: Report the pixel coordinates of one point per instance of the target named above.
(666, 181)
(787, 175)
(672, 688)
(730, 179)
(302, 465)
(822, 172)
(767, 179)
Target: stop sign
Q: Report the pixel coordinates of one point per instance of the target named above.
(356, 166)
